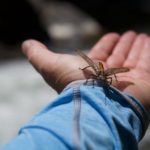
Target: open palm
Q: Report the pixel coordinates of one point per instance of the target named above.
(132, 51)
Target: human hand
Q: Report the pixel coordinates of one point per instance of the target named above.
(129, 50)
(132, 51)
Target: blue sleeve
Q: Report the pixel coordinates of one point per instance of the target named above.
(85, 116)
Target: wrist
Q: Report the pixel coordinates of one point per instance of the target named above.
(66, 78)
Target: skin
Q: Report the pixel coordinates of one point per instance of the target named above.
(130, 50)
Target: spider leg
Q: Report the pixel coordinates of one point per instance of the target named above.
(109, 80)
(84, 68)
(86, 81)
(90, 76)
(115, 77)
(93, 76)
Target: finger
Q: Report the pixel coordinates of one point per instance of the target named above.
(135, 51)
(121, 50)
(144, 59)
(37, 53)
(104, 46)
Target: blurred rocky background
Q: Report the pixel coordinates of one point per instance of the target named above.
(63, 25)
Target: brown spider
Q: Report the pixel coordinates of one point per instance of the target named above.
(100, 73)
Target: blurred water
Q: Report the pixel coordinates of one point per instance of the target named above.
(22, 94)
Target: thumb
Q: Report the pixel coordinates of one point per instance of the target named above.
(38, 54)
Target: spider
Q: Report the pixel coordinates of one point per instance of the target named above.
(100, 73)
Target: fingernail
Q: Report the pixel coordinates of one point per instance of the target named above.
(26, 44)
